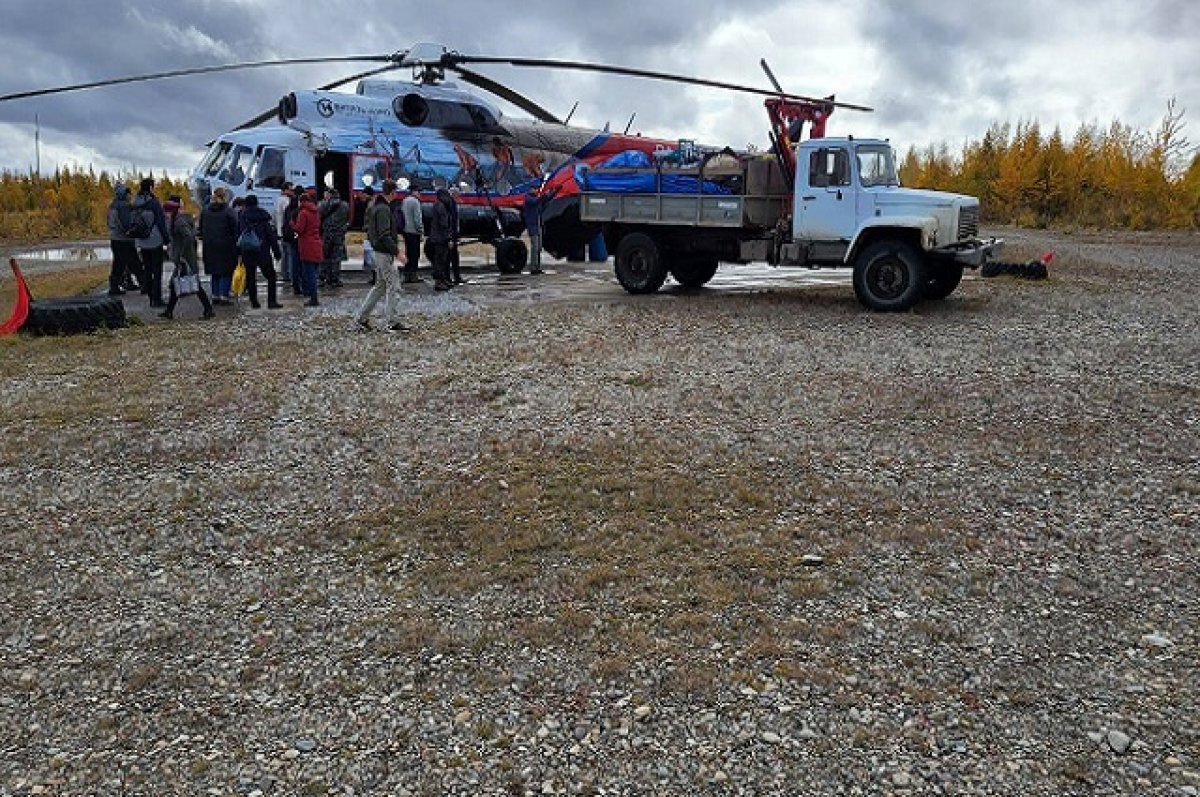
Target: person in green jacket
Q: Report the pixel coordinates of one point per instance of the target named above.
(381, 234)
(184, 255)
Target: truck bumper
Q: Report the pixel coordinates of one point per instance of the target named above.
(973, 254)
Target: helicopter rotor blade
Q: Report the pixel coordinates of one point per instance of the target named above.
(270, 112)
(394, 60)
(505, 93)
(452, 60)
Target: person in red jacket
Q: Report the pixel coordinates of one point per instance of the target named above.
(307, 227)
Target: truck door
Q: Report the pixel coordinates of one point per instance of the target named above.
(825, 205)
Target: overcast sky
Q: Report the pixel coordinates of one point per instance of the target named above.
(935, 70)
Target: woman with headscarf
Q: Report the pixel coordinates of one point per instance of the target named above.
(183, 255)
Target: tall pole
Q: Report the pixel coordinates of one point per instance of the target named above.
(37, 142)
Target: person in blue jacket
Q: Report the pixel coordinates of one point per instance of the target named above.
(257, 220)
(535, 205)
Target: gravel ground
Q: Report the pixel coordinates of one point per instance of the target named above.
(759, 543)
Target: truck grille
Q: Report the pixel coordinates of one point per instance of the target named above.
(968, 222)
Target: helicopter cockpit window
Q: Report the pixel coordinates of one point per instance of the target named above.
(828, 167)
(236, 167)
(216, 157)
(270, 172)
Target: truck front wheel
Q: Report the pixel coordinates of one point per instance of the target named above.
(943, 280)
(695, 271)
(640, 266)
(889, 276)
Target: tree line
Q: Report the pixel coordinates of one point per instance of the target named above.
(70, 203)
(1115, 177)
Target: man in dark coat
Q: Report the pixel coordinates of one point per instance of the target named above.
(335, 222)
(440, 237)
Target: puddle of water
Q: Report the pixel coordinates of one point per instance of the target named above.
(760, 275)
(70, 253)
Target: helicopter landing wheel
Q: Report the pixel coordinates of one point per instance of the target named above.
(511, 255)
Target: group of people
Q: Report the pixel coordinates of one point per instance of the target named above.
(144, 232)
(307, 239)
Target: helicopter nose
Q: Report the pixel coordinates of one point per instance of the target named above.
(200, 189)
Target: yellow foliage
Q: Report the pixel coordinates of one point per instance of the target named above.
(67, 204)
(1115, 178)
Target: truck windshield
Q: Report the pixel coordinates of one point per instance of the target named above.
(876, 166)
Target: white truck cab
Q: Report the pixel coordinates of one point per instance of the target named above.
(850, 208)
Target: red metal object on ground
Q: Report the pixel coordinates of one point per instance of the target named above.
(21, 310)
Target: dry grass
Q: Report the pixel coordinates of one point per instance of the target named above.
(52, 284)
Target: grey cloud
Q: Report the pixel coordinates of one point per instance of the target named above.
(939, 66)
(66, 42)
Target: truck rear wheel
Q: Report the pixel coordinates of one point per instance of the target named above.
(694, 272)
(943, 280)
(889, 276)
(640, 266)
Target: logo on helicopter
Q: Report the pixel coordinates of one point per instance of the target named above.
(325, 108)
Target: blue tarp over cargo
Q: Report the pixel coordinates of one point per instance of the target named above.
(640, 182)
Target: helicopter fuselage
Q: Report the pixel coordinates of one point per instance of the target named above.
(428, 136)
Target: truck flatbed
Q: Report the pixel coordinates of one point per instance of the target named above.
(722, 211)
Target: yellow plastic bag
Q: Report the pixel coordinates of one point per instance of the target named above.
(239, 280)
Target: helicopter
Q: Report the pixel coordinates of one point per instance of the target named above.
(429, 133)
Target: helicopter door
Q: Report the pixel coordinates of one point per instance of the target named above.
(333, 171)
(300, 169)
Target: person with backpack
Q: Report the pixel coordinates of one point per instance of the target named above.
(259, 245)
(149, 231)
(335, 222)
(380, 226)
(183, 255)
(125, 263)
